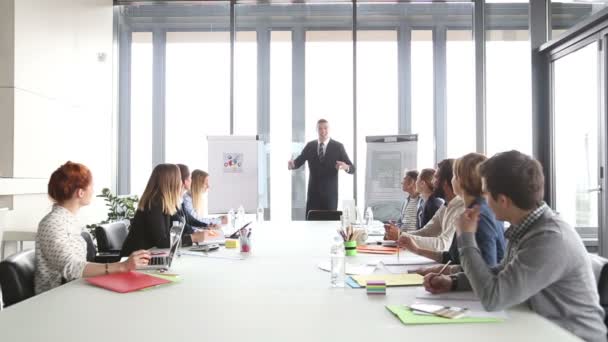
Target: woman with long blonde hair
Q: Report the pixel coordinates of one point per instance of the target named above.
(158, 204)
(194, 202)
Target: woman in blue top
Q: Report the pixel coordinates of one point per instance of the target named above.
(466, 182)
(193, 205)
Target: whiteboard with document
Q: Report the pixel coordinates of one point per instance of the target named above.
(387, 158)
(237, 167)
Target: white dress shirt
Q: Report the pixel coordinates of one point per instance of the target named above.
(325, 142)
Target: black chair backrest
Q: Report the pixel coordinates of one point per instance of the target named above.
(600, 270)
(602, 287)
(111, 236)
(324, 215)
(91, 249)
(17, 277)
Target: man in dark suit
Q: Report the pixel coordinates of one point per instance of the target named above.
(325, 158)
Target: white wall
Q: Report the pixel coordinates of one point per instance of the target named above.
(62, 95)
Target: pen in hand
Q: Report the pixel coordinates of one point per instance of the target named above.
(445, 266)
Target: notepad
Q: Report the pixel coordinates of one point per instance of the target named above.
(406, 316)
(374, 249)
(452, 312)
(126, 282)
(352, 283)
(406, 279)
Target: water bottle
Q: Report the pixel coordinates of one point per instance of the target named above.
(346, 215)
(369, 217)
(337, 262)
(175, 235)
(260, 214)
(232, 218)
(358, 217)
(240, 216)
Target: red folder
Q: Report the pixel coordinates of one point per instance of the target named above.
(126, 282)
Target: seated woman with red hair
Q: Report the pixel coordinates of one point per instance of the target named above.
(61, 252)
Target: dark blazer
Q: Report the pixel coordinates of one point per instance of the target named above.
(151, 228)
(323, 180)
(427, 210)
(490, 237)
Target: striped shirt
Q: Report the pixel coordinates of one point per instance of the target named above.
(409, 213)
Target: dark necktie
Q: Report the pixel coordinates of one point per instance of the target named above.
(321, 153)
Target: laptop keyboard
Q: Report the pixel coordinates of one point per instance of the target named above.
(157, 261)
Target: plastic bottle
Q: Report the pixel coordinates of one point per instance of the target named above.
(240, 215)
(337, 262)
(347, 216)
(369, 217)
(232, 218)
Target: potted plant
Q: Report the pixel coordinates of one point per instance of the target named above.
(119, 208)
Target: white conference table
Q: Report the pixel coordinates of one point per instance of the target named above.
(277, 294)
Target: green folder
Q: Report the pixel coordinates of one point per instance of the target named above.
(171, 278)
(407, 317)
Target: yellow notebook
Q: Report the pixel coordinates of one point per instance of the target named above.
(406, 279)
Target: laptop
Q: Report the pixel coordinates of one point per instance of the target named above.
(237, 232)
(161, 258)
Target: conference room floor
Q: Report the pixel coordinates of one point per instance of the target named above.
(278, 293)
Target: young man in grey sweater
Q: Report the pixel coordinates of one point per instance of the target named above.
(546, 265)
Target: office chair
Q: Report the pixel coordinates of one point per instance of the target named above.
(323, 215)
(111, 236)
(91, 249)
(17, 277)
(600, 270)
(94, 256)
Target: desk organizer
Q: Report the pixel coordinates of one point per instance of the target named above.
(350, 248)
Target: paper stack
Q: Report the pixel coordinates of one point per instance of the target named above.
(376, 287)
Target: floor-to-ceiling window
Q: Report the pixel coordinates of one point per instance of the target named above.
(422, 96)
(329, 92)
(377, 99)
(281, 55)
(294, 63)
(460, 76)
(508, 87)
(576, 115)
(141, 110)
(198, 94)
(245, 83)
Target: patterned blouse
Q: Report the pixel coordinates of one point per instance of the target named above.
(61, 252)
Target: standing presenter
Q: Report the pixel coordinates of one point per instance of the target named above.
(325, 157)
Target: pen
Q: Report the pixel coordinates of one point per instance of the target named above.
(445, 266)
